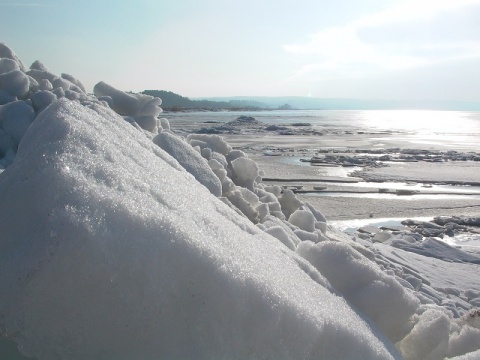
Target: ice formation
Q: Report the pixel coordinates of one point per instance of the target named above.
(121, 239)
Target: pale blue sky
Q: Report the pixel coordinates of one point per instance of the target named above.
(367, 49)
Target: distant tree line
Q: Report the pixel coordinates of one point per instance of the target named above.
(175, 102)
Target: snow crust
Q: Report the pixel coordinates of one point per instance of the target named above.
(122, 240)
(122, 263)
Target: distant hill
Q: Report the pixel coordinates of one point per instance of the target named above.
(176, 102)
(309, 103)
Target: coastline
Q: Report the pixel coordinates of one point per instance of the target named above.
(359, 191)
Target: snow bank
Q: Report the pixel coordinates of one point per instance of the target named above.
(362, 283)
(111, 250)
(122, 240)
(191, 160)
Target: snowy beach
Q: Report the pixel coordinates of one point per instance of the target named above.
(447, 187)
(127, 233)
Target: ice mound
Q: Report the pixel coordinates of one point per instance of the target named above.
(191, 160)
(239, 125)
(110, 249)
(379, 296)
(120, 239)
(139, 108)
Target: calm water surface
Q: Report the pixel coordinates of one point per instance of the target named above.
(458, 130)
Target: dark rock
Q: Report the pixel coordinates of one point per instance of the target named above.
(472, 221)
(411, 222)
(301, 124)
(395, 228)
(428, 232)
(369, 230)
(443, 220)
(275, 128)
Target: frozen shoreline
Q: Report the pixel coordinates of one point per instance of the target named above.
(387, 180)
(122, 239)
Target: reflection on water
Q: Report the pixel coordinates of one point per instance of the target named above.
(353, 225)
(322, 171)
(424, 188)
(422, 122)
(441, 128)
(383, 196)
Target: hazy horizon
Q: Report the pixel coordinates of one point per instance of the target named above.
(404, 50)
(311, 103)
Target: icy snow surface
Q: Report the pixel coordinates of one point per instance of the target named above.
(112, 258)
(122, 240)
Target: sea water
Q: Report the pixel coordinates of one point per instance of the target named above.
(455, 130)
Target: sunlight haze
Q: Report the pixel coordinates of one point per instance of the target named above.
(367, 49)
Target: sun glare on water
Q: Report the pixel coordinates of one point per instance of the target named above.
(422, 121)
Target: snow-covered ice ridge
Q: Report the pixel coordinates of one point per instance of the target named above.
(120, 240)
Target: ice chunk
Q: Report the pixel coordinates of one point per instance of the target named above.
(377, 295)
(6, 97)
(306, 235)
(164, 123)
(6, 52)
(470, 356)
(263, 211)
(148, 105)
(273, 221)
(274, 189)
(149, 123)
(61, 83)
(318, 215)
(463, 342)
(7, 65)
(39, 75)
(59, 93)
(382, 236)
(289, 202)
(303, 219)
(240, 201)
(214, 142)
(429, 338)
(15, 118)
(246, 172)
(44, 84)
(220, 158)
(206, 153)
(191, 160)
(42, 98)
(215, 165)
(322, 226)
(143, 109)
(15, 83)
(74, 81)
(280, 233)
(108, 251)
(123, 103)
(33, 86)
(432, 247)
(37, 65)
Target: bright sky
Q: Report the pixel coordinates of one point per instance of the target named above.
(365, 49)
